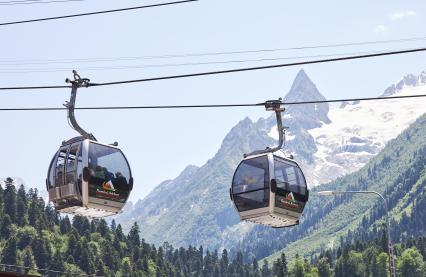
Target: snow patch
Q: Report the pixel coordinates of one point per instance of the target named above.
(359, 131)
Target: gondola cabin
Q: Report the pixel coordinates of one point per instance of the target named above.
(89, 178)
(269, 189)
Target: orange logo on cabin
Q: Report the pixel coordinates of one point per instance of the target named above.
(108, 186)
(289, 197)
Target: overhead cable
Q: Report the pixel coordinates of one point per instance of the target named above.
(95, 13)
(379, 54)
(226, 71)
(121, 67)
(217, 105)
(14, 3)
(185, 55)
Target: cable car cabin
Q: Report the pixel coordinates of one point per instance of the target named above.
(88, 178)
(269, 189)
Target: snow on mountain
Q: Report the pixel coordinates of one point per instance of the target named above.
(349, 135)
(408, 80)
(328, 141)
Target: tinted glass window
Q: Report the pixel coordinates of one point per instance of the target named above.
(71, 164)
(289, 177)
(251, 183)
(51, 177)
(251, 174)
(110, 173)
(80, 169)
(60, 167)
(252, 200)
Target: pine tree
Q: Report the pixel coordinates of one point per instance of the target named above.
(9, 252)
(85, 262)
(119, 233)
(103, 227)
(72, 244)
(133, 238)
(324, 268)
(284, 264)
(28, 260)
(265, 269)
(41, 253)
(57, 262)
(382, 265)
(6, 227)
(10, 201)
(21, 209)
(298, 269)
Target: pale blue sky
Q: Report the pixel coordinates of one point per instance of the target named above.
(159, 144)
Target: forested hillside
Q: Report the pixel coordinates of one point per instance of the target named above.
(398, 172)
(327, 142)
(34, 239)
(358, 260)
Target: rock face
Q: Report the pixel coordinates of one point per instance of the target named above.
(195, 208)
(408, 80)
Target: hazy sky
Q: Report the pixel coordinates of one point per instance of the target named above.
(160, 143)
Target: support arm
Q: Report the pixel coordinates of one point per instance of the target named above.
(76, 83)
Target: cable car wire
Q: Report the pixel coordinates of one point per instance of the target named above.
(15, 3)
(126, 67)
(185, 55)
(121, 67)
(378, 54)
(96, 13)
(226, 71)
(217, 105)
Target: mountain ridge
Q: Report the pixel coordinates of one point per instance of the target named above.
(199, 211)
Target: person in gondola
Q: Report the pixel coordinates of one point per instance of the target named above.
(120, 183)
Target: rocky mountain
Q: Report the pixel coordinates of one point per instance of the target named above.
(408, 80)
(328, 142)
(398, 172)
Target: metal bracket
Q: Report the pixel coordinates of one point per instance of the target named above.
(278, 107)
(78, 82)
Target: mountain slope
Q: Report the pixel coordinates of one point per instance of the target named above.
(195, 207)
(399, 172)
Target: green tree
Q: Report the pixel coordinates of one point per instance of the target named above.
(41, 253)
(10, 201)
(6, 227)
(21, 207)
(351, 264)
(382, 265)
(284, 264)
(9, 252)
(28, 259)
(265, 269)
(58, 263)
(324, 268)
(298, 269)
(126, 268)
(133, 238)
(411, 263)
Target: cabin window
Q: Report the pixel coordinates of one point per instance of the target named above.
(110, 173)
(60, 167)
(289, 177)
(251, 183)
(71, 164)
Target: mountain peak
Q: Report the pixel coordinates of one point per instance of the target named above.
(303, 89)
(302, 75)
(408, 80)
